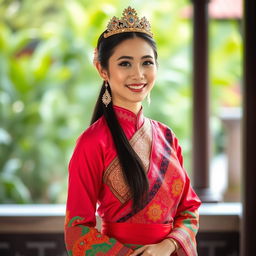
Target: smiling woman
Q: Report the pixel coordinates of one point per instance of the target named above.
(130, 165)
(131, 77)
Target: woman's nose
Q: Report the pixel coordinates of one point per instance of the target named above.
(138, 72)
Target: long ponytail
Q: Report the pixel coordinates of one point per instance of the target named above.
(132, 167)
(131, 164)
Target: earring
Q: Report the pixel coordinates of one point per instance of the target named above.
(106, 97)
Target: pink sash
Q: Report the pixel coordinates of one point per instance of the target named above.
(133, 233)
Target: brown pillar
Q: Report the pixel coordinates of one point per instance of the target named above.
(249, 131)
(201, 167)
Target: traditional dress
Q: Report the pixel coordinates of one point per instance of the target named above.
(95, 178)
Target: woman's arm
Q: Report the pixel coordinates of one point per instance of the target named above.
(85, 180)
(186, 220)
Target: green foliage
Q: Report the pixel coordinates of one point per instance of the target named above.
(47, 97)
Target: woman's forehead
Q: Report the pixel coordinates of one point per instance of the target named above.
(134, 47)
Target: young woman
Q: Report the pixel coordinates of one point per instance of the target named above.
(129, 165)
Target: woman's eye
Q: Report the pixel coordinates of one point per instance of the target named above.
(148, 62)
(124, 64)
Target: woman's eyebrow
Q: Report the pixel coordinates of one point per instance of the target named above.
(131, 58)
(125, 57)
(147, 56)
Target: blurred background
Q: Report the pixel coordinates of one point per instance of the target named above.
(48, 85)
(48, 88)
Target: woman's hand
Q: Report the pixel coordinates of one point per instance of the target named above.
(164, 248)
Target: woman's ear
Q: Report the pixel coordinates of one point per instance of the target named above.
(102, 72)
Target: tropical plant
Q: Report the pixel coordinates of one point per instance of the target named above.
(48, 85)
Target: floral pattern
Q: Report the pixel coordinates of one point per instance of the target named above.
(154, 212)
(177, 187)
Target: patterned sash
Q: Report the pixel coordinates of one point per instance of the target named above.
(141, 142)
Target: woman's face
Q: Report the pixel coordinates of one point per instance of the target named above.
(131, 73)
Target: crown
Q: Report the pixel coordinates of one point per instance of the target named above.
(130, 22)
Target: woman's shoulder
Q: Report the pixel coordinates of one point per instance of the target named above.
(164, 130)
(89, 148)
(161, 126)
(95, 134)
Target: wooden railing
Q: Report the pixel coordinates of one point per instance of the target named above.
(37, 230)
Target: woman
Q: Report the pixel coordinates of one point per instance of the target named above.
(129, 165)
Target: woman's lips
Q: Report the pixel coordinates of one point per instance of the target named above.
(136, 87)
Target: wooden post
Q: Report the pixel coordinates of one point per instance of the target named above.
(248, 246)
(201, 141)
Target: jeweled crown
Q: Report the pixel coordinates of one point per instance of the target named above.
(130, 22)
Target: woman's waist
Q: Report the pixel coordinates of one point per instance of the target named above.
(136, 233)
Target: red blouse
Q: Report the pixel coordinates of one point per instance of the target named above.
(95, 178)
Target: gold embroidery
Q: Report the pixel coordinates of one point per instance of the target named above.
(113, 176)
(141, 143)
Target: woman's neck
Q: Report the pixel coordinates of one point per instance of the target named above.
(135, 108)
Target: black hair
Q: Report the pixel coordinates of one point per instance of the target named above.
(132, 167)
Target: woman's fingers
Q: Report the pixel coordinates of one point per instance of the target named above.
(139, 251)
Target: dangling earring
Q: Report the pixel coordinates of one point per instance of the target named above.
(106, 97)
(148, 98)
